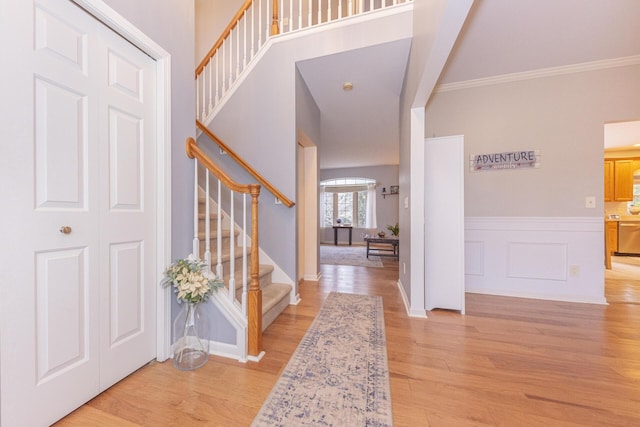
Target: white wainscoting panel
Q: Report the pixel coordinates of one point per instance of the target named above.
(532, 257)
(473, 258)
(533, 260)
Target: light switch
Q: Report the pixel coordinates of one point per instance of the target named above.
(590, 202)
(406, 203)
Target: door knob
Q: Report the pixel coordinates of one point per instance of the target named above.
(65, 229)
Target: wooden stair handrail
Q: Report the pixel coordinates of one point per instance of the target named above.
(285, 201)
(254, 297)
(223, 36)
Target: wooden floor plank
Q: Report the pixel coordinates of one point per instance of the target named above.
(507, 362)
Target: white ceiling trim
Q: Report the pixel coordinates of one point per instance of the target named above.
(536, 74)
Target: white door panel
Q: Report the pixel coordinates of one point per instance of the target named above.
(444, 228)
(78, 308)
(127, 229)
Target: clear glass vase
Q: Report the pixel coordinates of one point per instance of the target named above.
(190, 337)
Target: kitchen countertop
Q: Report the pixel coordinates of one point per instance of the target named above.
(632, 218)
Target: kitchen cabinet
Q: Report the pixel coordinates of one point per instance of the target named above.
(618, 180)
(612, 235)
(610, 241)
(609, 180)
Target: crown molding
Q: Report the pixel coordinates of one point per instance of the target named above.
(536, 74)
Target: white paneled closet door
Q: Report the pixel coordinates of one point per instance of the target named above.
(78, 304)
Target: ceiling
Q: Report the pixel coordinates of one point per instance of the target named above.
(360, 127)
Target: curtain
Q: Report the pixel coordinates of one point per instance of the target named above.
(322, 208)
(371, 206)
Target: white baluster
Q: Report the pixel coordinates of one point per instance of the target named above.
(237, 51)
(219, 271)
(259, 24)
(370, 5)
(204, 96)
(339, 9)
(224, 68)
(244, 255)
(198, 80)
(232, 252)
(245, 42)
(350, 11)
(231, 79)
(210, 66)
(196, 241)
(217, 77)
(361, 6)
(329, 17)
(253, 34)
(319, 12)
(207, 226)
(299, 14)
(290, 15)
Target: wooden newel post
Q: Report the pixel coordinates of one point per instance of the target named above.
(254, 303)
(275, 29)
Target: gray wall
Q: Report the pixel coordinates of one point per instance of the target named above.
(562, 116)
(386, 208)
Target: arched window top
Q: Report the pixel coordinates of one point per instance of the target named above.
(337, 182)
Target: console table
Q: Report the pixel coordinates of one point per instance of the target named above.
(391, 249)
(335, 233)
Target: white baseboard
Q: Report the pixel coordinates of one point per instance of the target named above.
(407, 306)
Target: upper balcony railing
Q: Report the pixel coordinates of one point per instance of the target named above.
(254, 23)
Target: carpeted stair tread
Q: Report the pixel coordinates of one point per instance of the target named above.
(226, 255)
(275, 298)
(214, 234)
(263, 270)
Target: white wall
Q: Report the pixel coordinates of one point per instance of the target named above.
(386, 208)
(512, 214)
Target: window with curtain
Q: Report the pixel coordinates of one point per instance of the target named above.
(352, 200)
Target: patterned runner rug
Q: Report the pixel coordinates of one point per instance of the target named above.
(348, 255)
(338, 375)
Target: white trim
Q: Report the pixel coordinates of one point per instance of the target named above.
(312, 278)
(537, 74)
(105, 14)
(411, 313)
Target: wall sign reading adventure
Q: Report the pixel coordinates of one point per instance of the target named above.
(508, 160)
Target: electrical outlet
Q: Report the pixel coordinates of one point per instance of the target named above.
(590, 202)
(574, 270)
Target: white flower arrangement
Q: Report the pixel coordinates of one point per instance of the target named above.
(192, 281)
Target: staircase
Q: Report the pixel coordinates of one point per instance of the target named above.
(275, 296)
(229, 80)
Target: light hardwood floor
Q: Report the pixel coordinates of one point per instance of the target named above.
(507, 362)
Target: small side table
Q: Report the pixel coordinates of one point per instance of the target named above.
(335, 233)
